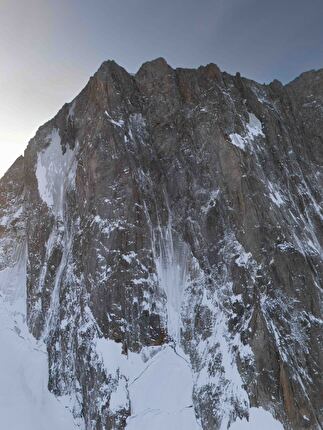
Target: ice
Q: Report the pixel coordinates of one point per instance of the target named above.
(171, 266)
(55, 172)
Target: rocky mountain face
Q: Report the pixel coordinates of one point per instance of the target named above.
(169, 224)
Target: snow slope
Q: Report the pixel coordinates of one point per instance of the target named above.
(25, 402)
(159, 386)
(258, 419)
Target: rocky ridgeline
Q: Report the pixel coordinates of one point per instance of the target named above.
(173, 227)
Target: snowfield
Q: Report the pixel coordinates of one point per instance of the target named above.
(25, 402)
(258, 419)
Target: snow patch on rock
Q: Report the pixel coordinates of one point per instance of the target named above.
(118, 123)
(211, 202)
(253, 129)
(238, 140)
(275, 195)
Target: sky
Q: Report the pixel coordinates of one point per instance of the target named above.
(50, 48)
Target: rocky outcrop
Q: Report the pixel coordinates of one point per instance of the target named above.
(173, 220)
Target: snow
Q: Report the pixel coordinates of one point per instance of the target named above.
(253, 129)
(234, 384)
(260, 93)
(119, 398)
(211, 202)
(129, 257)
(158, 420)
(119, 123)
(25, 402)
(169, 404)
(13, 280)
(8, 219)
(220, 377)
(107, 226)
(55, 172)
(53, 310)
(237, 140)
(71, 110)
(275, 195)
(159, 385)
(242, 260)
(258, 419)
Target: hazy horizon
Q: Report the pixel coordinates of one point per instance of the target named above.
(50, 49)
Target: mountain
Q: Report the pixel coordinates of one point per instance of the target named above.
(162, 240)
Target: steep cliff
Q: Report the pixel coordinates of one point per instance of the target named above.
(171, 227)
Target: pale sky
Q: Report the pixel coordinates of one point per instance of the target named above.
(49, 48)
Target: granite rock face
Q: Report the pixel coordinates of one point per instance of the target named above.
(173, 220)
